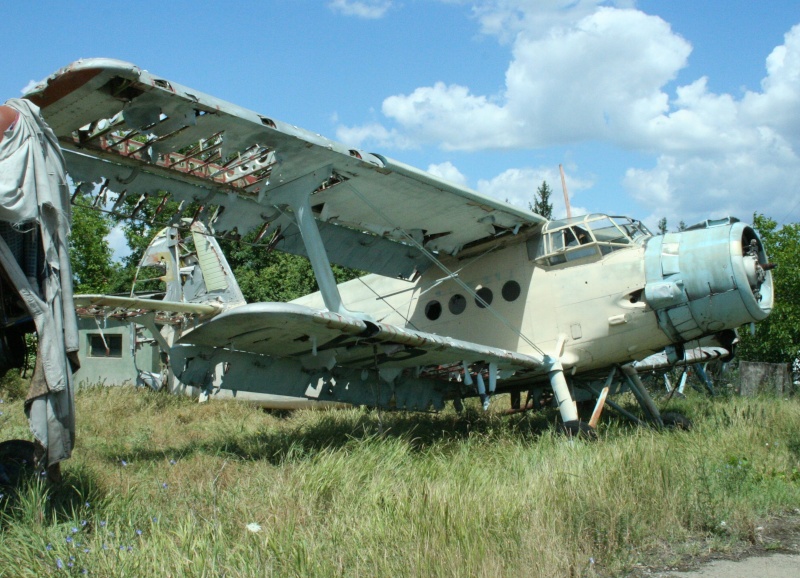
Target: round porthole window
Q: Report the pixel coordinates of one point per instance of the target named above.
(433, 310)
(511, 290)
(486, 294)
(457, 304)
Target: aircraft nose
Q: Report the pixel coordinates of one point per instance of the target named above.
(709, 278)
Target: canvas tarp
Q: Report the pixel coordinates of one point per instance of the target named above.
(34, 196)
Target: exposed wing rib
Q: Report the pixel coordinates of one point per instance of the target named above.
(146, 134)
(111, 305)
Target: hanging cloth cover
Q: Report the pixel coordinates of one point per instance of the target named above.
(34, 196)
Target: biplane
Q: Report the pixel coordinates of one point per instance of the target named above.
(464, 296)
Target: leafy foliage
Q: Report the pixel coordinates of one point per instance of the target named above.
(265, 275)
(90, 253)
(777, 339)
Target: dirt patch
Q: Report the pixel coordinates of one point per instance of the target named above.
(774, 542)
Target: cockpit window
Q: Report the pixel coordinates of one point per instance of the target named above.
(590, 236)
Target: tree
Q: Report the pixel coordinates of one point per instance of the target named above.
(90, 254)
(777, 338)
(541, 204)
(265, 275)
(662, 226)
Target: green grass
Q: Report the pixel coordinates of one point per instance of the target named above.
(358, 493)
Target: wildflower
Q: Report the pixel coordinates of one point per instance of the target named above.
(164, 485)
(43, 474)
(155, 520)
(70, 564)
(88, 505)
(59, 563)
(130, 548)
(86, 550)
(124, 463)
(172, 462)
(138, 532)
(591, 561)
(102, 523)
(74, 530)
(122, 548)
(254, 527)
(69, 539)
(83, 522)
(105, 547)
(84, 571)
(48, 547)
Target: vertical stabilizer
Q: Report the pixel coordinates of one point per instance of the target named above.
(188, 268)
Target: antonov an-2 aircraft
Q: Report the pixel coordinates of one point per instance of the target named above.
(467, 296)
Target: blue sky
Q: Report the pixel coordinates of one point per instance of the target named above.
(680, 109)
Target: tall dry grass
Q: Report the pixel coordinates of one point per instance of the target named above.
(162, 486)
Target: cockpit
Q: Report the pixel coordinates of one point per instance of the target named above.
(588, 238)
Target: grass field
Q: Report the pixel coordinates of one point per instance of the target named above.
(163, 486)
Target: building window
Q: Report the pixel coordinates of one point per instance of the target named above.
(97, 347)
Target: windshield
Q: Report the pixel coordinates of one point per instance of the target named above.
(591, 235)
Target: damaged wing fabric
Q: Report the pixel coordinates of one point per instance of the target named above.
(34, 199)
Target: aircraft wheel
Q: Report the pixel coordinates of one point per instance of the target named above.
(17, 458)
(675, 420)
(578, 429)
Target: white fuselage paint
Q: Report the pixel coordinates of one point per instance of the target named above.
(585, 303)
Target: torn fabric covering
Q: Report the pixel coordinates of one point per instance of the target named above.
(33, 189)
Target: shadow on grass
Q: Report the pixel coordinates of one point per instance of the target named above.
(32, 499)
(303, 436)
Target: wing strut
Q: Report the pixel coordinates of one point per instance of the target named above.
(296, 194)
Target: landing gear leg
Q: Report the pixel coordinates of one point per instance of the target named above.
(642, 396)
(566, 405)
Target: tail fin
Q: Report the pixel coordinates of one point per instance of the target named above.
(188, 269)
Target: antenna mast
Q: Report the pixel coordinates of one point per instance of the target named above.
(564, 188)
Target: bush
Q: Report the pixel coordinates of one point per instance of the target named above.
(13, 386)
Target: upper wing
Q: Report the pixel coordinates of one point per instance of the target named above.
(322, 338)
(138, 133)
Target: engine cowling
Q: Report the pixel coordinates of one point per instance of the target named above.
(706, 279)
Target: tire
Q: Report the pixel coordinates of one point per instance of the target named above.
(676, 421)
(578, 429)
(17, 458)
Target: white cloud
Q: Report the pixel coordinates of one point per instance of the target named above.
(584, 72)
(722, 156)
(592, 78)
(519, 186)
(374, 134)
(449, 115)
(448, 171)
(368, 9)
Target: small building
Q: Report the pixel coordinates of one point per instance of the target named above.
(112, 352)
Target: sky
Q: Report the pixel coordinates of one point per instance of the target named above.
(679, 109)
